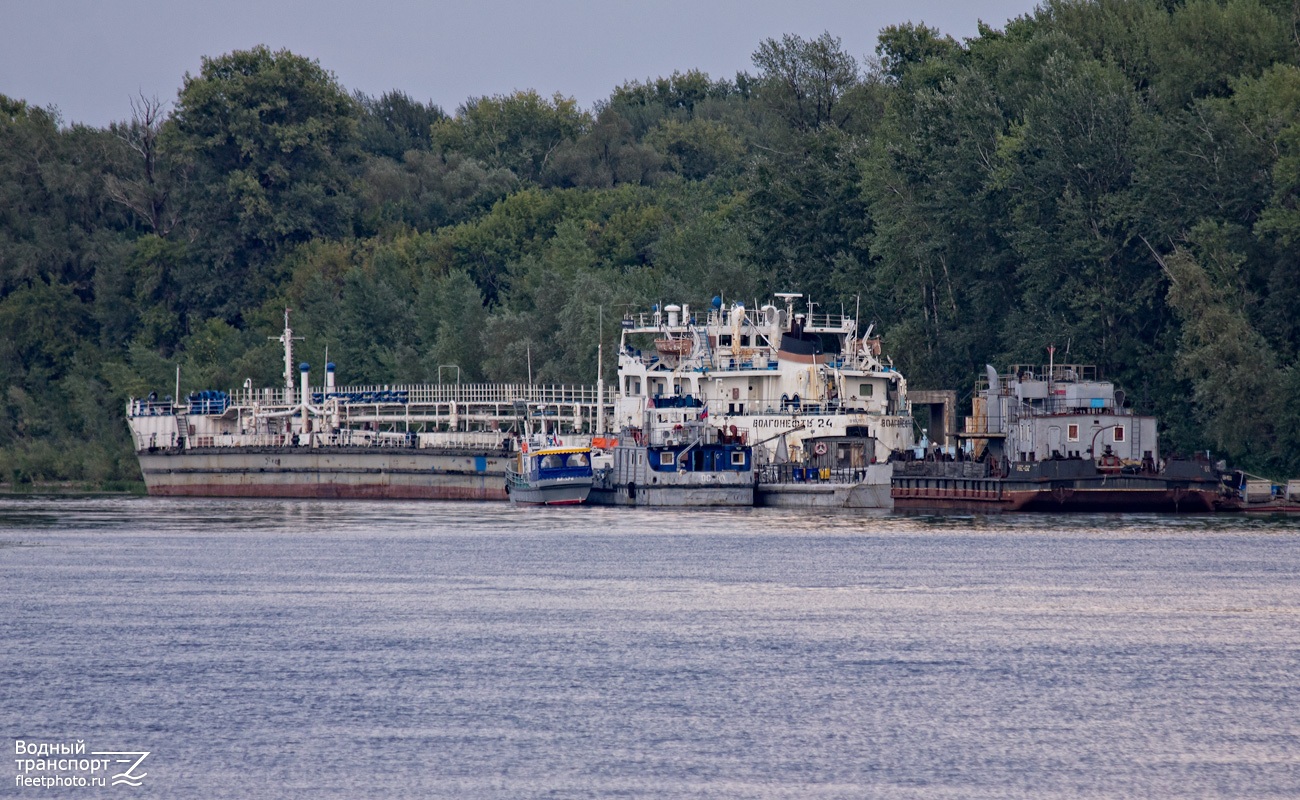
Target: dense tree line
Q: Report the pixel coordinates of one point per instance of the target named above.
(1118, 178)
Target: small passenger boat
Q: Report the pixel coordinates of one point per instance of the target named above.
(550, 475)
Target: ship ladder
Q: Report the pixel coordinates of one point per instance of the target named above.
(702, 346)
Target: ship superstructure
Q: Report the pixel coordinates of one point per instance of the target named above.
(781, 379)
(683, 461)
(1056, 438)
(1033, 413)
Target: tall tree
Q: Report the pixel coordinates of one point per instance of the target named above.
(394, 123)
(520, 131)
(146, 190)
(805, 81)
(269, 137)
(809, 219)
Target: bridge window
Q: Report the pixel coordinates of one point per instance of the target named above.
(866, 390)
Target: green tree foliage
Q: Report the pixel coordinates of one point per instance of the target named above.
(698, 149)
(941, 264)
(805, 81)
(607, 154)
(1227, 361)
(808, 216)
(679, 98)
(1066, 169)
(519, 132)
(905, 49)
(426, 190)
(1119, 178)
(56, 221)
(393, 124)
(269, 137)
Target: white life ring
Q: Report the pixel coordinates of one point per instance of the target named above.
(820, 448)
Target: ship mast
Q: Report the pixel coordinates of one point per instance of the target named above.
(286, 339)
(600, 373)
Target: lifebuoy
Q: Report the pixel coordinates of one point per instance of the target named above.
(820, 448)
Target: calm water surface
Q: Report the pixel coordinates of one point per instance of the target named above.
(285, 649)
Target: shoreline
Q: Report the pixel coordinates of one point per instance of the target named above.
(66, 488)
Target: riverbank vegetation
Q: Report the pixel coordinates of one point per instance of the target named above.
(1119, 179)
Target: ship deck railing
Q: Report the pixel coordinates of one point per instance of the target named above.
(151, 408)
(808, 474)
(777, 405)
(713, 362)
(650, 321)
(429, 394)
(408, 398)
(1060, 406)
(1052, 373)
(474, 441)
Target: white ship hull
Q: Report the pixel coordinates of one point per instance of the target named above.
(871, 491)
(675, 495)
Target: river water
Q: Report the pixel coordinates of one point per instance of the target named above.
(287, 649)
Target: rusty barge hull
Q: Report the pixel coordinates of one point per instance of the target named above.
(344, 473)
(992, 495)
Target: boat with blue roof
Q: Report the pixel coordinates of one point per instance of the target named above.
(550, 475)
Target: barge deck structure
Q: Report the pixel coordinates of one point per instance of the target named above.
(1057, 438)
(417, 441)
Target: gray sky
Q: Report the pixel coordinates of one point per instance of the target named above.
(89, 57)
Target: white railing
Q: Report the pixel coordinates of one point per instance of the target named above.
(473, 441)
(722, 318)
(430, 393)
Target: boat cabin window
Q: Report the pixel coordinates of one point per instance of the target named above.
(866, 390)
(633, 385)
(665, 459)
(577, 460)
(724, 340)
(744, 341)
(738, 458)
(551, 462)
(1072, 432)
(1119, 433)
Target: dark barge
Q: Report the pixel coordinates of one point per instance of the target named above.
(1057, 438)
